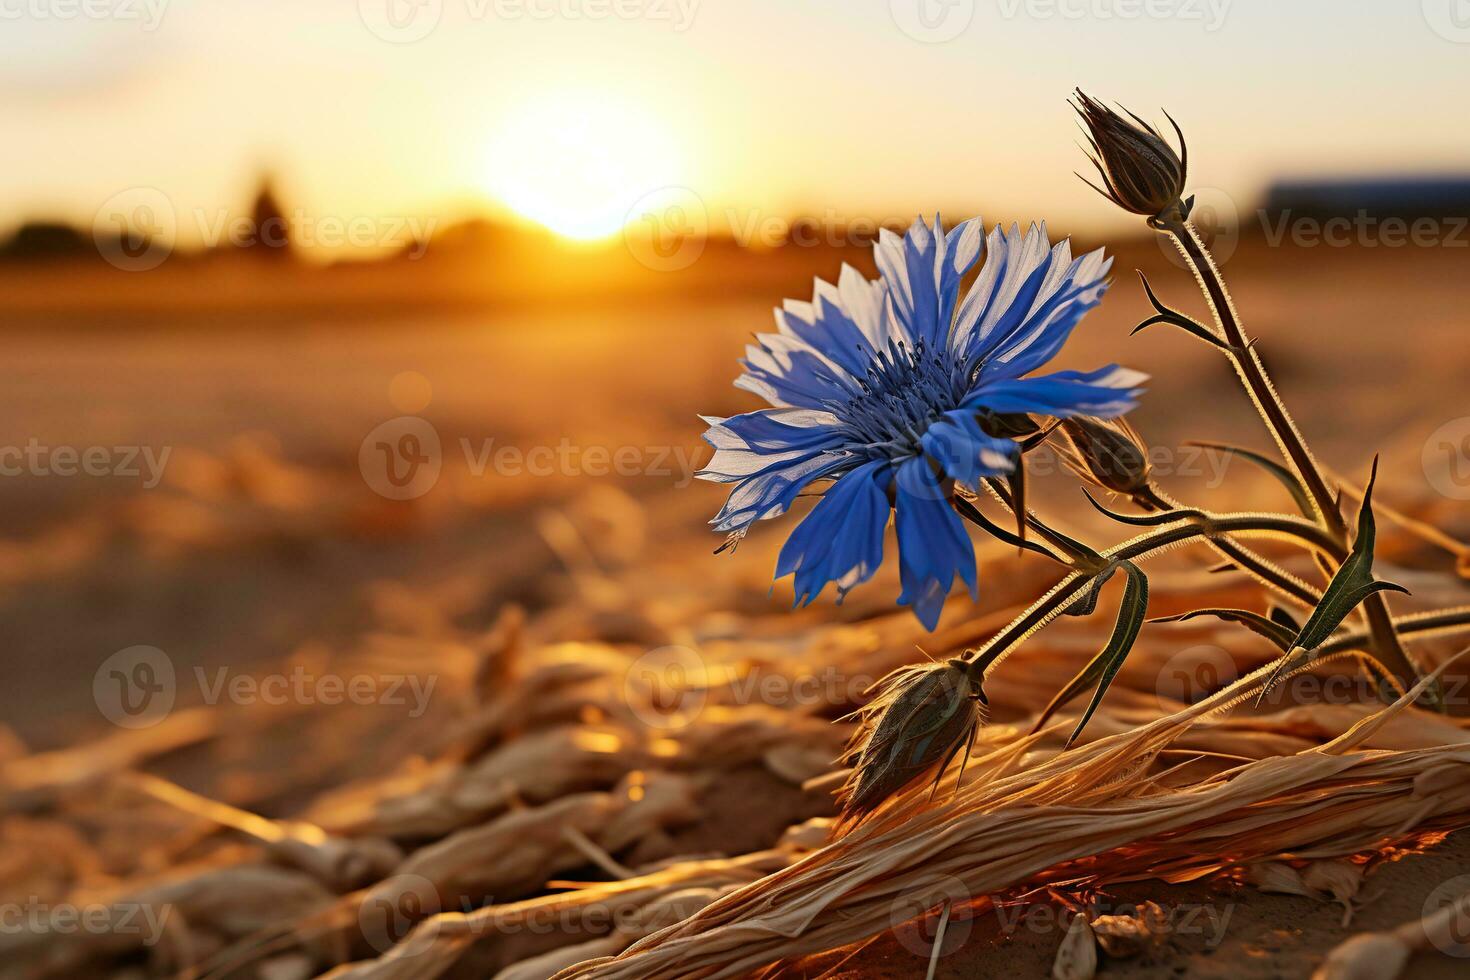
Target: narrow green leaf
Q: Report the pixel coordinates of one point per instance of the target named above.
(1352, 583)
(1101, 670)
(973, 514)
(1143, 520)
(1253, 621)
(1017, 480)
(1173, 317)
(1287, 477)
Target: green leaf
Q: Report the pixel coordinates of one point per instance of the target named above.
(1104, 667)
(973, 514)
(1144, 520)
(1253, 621)
(1287, 477)
(1352, 583)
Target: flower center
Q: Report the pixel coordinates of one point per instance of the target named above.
(906, 389)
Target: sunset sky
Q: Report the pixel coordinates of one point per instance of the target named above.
(566, 112)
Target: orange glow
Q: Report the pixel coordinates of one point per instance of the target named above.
(578, 162)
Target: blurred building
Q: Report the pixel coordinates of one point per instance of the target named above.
(1406, 197)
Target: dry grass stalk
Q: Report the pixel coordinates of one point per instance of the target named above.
(1094, 813)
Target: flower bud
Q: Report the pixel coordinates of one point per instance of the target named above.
(921, 719)
(1106, 454)
(1140, 170)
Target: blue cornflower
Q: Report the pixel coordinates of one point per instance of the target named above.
(889, 387)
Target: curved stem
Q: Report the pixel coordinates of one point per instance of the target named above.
(1079, 556)
(1265, 571)
(1440, 621)
(1252, 372)
(1065, 592)
(1387, 646)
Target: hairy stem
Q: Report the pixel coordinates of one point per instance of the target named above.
(1438, 622)
(1386, 643)
(1262, 569)
(1253, 372)
(1069, 589)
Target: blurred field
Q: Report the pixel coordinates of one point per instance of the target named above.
(265, 545)
(263, 428)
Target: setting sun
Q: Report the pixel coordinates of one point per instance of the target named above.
(578, 162)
